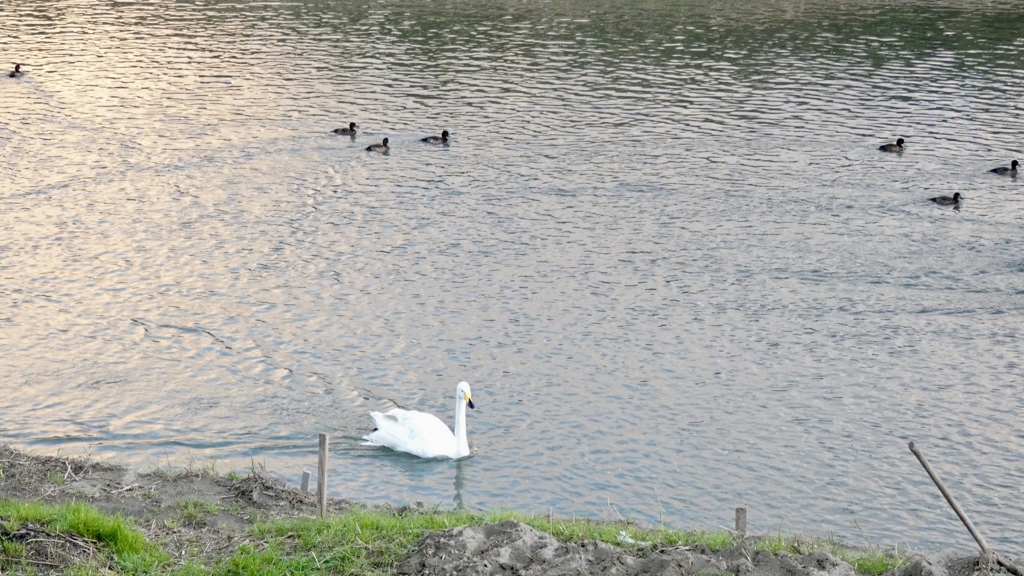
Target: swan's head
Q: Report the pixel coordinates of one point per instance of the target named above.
(463, 391)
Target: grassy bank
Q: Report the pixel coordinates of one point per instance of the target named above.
(75, 538)
(80, 517)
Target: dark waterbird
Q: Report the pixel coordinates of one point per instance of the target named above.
(350, 130)
(897, 147)
(947, 200)
(17, 71)
(382, 147)
(443, 139)
(1011, 171)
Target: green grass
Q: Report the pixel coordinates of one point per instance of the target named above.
(129, 549)
(195, 511)
(194, 468)
(355, 542)
(870, 560)
(874, 563)
(12, 549)
(360, 541)
(374, 542)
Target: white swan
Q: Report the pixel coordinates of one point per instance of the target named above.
(422, 434)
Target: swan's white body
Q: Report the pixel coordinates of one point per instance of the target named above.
(422, 434)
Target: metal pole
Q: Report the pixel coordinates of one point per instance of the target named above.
(949, 498)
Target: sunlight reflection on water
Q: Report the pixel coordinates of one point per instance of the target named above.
(662, 247)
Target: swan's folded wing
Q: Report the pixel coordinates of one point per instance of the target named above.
(418, 433)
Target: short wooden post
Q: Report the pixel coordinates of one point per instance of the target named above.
(321, 479)
(741, 522)
(304, 486)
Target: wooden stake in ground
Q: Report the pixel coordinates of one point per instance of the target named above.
(321, 479)
(741, 522)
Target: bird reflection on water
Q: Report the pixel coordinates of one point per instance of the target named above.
(460, 484)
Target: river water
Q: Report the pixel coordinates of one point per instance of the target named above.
(662, 246)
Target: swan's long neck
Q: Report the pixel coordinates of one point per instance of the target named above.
(462, 445)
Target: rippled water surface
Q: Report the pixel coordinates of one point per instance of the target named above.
(662, 246)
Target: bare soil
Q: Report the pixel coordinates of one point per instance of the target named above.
(159, 502)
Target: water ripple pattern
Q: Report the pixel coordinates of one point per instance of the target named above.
(662, 246)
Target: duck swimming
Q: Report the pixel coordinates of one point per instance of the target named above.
(443, 139)
(350, 130)
(947, 200)
(897, 147)
(382, 147)
(1011, 171)
(17, 71)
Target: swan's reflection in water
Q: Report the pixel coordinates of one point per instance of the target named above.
(460, 483)
(431, 475)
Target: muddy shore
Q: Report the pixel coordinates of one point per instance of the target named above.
(154, 501)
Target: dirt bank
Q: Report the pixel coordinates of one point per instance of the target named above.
(159, 503)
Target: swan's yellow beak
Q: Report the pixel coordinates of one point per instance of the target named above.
(469, 401)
